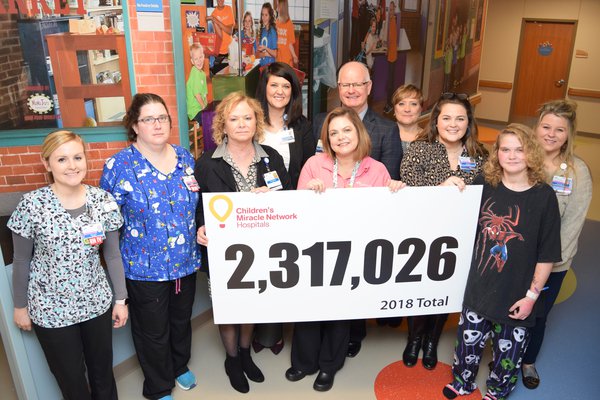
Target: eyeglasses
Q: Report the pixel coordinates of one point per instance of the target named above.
(163, 119)
(452, 95)
(354, 85)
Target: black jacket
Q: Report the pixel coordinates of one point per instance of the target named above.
(302, 149)
(214, 175)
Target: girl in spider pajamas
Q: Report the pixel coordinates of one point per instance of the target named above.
(519, 213)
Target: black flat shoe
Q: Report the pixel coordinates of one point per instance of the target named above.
(411, 352)
(531, 379)
(429, 354)
(294, 375)
(353, 349)
(324, 382)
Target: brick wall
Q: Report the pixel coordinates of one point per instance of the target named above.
(12, 68)
(20, 167)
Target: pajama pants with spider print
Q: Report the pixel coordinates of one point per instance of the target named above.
(508, 346)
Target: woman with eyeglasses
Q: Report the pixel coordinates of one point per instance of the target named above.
(570, 178)
(59, 286)
(153, 183)
(447, 153)
(238, 164)
(345, 163)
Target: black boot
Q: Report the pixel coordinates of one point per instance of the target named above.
(429, 353)
(235, 372)
(411, 352)
(431, 340)
(252, 371)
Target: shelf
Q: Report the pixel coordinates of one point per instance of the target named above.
(105, 60)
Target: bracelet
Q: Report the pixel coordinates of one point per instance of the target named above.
(532, 295)
(121, 302)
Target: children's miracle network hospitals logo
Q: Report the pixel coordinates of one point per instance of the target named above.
(220, 206)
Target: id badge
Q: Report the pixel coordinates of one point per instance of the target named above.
(562, 185)
(110, 206)
(467, 163)
(191, 183)
(319, 148)
(288, 136)
(272, 180)
(93, 234)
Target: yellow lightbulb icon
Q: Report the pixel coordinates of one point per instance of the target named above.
(228, 208)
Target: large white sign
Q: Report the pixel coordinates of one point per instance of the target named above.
(343, 254)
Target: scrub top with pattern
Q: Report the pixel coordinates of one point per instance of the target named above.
(67, 284)
(158, 239)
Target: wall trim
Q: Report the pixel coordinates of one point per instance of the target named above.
(593, 94)
(495, 84)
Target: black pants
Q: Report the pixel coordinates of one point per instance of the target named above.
(320, 346)
(71, 349)
(358, 330)
(161, 330)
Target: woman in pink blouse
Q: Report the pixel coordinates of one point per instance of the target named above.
(345, 163)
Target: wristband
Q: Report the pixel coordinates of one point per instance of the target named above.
(532, 295)
(121, 302)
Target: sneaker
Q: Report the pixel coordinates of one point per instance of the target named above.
(186, 381)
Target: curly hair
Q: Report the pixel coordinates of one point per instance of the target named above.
(470, 139)
(567, 110)
(363, 149)
(271, 12)
(493, 171)
(223, 111)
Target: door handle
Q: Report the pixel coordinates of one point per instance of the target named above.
(559, 83)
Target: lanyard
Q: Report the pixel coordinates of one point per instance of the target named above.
(352, 177)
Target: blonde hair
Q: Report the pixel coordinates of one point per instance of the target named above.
(563, 109)
(56, 139)
(196, 46)
(224, 109)
(407, 92)
(363, 149)
(492, 170)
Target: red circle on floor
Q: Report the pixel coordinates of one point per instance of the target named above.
(398, 382)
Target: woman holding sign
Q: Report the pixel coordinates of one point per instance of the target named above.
(59, 286)
(345, 163)
(238, 164)
(570, 178)
(290, 133)
(446, 154)
(517, 242)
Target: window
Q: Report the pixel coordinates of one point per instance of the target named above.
(43, 79)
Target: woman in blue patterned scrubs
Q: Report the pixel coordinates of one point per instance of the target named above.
(153, 182)
(59, 286)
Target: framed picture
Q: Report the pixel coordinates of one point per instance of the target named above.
(411, 5)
